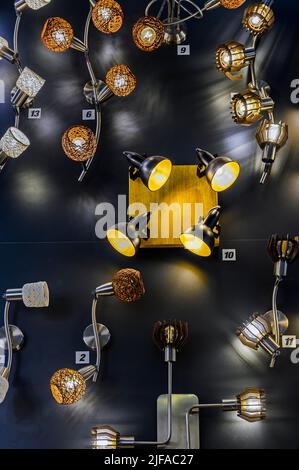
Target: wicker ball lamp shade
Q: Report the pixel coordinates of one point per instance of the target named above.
(107, 16)
(230, 4)
(67, 386)
(79, 143)
(148, 33)
(57, 34)
(121, 80)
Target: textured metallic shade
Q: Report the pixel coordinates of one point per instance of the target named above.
(246, 108)
(67, 386)
(283, 248)
(36, 295)
(14, 142)
(170, 333)
(148, 33)
(252, 405)
(271, 133)
(37, 4)
(230, 57)
(30, 83)
(107, 16)
(232, 3)
(121, 80)
(128, 285)
(257, 332)
(258, 18)
(105, 437)
(57, 34)
(79, 143)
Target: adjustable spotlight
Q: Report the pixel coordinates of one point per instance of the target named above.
(11, 337)
(259, 18)
(221, 172)
(271, 138)
(12, 145)
(248, 107)
(106, 437)
(154, 171)
(58, 36)
(20, 5)
(200, 239)
(231, 57)
(148, 33)
(126, 237)
(27, 87)
(6, 52)
(170, 337)
(107, 16)
(79, 143)
(249, 404)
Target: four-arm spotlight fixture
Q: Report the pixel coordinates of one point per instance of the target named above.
(11, 337)
(265, 331)
(254, 104)
(15, 142)
(176, 413)
(68, 386)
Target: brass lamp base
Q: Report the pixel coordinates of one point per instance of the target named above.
(17, 338)
(89, 339)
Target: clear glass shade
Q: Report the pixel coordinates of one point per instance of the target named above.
(14, 142)
(30, 83)
(37, 4)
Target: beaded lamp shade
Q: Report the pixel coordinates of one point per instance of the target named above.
(121, 80)
(128, 285)
(148, 33)
(107, 16)
(57, 34)
(232, 3)
(14, 142)
(30, 83)
(246, 108)
(79, 143)
(67, 386)
(258, 18)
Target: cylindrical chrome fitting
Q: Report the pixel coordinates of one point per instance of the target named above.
(170, 354)
(19, 98)
(20, 5)
(281, 268)
(104, 290)
(78, 45)
(12, 295)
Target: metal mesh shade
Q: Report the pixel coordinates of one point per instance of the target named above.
(128, 285)
(14, 142)
(230, 57)
(258, 18)
(170, 333)
(270, 133)
(283, 247)
(30, 83)
(107, 16)
(148, 33)
(252, 404)
(121, 80)
(79, 143)
(254, 331)
(232, 3)
(67, 386)
(57, 34)
(37, 4)
(246, 108)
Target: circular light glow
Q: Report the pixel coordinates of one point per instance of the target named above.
(121, 243)
(148, 35)
(240, 108)
(255, 20)
(225, 177)
(225, 58)
(195, 244)
(160, 175)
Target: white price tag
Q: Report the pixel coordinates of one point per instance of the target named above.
(229, 254)
(34, 113)
(88, 114)
(184, 50)
(82, 357)
(289, 342)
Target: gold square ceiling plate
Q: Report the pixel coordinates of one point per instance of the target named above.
(183, 187)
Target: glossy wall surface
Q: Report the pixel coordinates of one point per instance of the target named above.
(47, 232)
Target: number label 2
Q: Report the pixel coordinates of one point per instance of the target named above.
(82, 357)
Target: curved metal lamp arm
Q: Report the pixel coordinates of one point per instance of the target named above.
(97, 338)
(8, 339)
(274, 309)
(171, 11)
(197, 408)
(16, 39)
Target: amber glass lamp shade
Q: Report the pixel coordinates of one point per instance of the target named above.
(230, 4)
(67, 386)
(148, 33)
(121, 80)
(258, 18)
(107, 16)
(57, 34)
(79, 143)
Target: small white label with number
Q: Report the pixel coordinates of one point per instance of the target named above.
(183, 50)
(34, 113)
(88, 114)
(2, 359)
(229, 255)
(289, 342)
(82, 357)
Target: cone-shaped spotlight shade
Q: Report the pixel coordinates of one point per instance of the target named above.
(221, 172)
(126, 237)
(154, 171)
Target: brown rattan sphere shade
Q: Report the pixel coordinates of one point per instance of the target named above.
(79, 143)
(232, 3)
(107, 16)
(148, 33)
(57, 34)
(67, 386)
(121, 80)
(128, 285)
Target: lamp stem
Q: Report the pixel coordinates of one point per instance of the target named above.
(197, 408)
(8, 339)
(97, 338)
(274, 309)
(16, 39)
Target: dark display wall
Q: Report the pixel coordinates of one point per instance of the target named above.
(47, 232)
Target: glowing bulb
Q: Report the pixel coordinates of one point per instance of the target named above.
(148, 36)
(195, 245)
(160, 175)
(225, 177)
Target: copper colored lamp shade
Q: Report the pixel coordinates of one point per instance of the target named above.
(57, 34)
(128, 285)
(67, 386)
(121, 80)
(148, 33)
(107, 16)
(248, 107)
(258, 18)
(79, 143)
(230, 4)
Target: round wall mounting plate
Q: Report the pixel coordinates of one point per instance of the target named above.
(89, 339)
(17, 338)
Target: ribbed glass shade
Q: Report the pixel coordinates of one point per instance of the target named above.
(14, 142)
(37, 4)
(30, 83)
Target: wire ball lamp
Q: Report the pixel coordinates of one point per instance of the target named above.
(57, 34)
(121, 80)
(107, 16)
(79, 143)
(148, 33)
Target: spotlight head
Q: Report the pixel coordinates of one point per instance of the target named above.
(231, 57)
(13, 143)
(67, 386)
(79, 143)
(36, 294)
(200, 239)
(283, 250)
(257, 332)
(258, 18)
(107, 16)
(121, 80)
(270, 133)
(221, 172)
(252, 405)
(106, 437)
(57, 34)
(128, 285)
(170, 334)
(248, 107)
(4, 386)
(148, 33)
(6, 52)
(154, 171)
(126, 237)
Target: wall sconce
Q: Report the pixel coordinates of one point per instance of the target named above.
(68, 386)
(12, 145)
(178, 412)
(21, 5)
(58, 36)
(154, 171)
(126, 237)
(11, 337)
(200, 239)
(221, 172)
(265, 331)
(27, 87)
(107, 16)
(248, 107)
(232, 57)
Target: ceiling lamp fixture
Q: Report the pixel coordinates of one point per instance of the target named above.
(169, 24)
(34, 295)
(174, 411)
(154, 171)
(200, 239)
(68, 386)
(126, 238)
(254, 104)
(221, 172)
(107, 16)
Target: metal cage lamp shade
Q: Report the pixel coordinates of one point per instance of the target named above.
(148, 33)
(126, 238)
(200, 239)
(27, 87)
(58, 36)
(20, 5)
(283, 250)
(6, 52)
(12, 144)
(221, 172)
(248, 107)
(79, 143)
(232, 57)
(170, 337)
(107, 16)
(154, 171)
(257, 332)
(250, 404)
(259, 18)
(121, 80)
